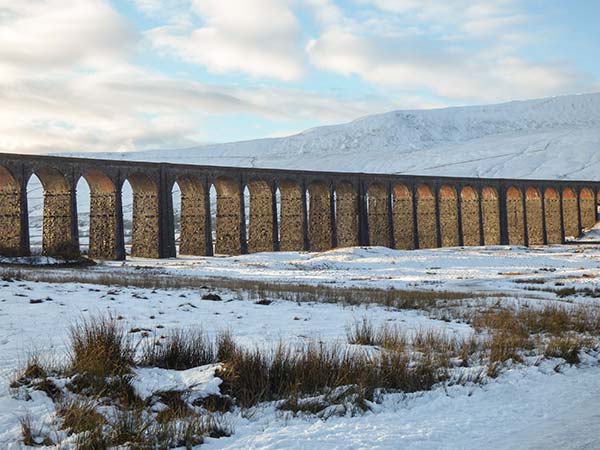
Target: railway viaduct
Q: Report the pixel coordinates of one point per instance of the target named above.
(288, 209)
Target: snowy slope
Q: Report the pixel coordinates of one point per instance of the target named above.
(556, 137)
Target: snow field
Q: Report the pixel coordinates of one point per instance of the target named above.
(536, 405)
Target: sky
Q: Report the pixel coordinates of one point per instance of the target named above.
(124, 75)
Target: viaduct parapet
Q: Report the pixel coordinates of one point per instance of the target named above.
(288, 209)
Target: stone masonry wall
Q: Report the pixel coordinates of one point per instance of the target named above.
(192, 221)
(588, 208)
(260, 234)
(491, 216)
(426, 218)
(291, 234)
(228, 218)
(57, 237)
(402, 213)
(346, 215)
(448, 217)
(570, 215)
(10, 221)
(515, 217)
(552, 208)
(103, 225)
(144, 233)
(535, 230)
(378, 216)
(470, 217)
(319, 218)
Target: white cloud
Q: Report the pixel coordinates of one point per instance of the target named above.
(472, 56)
(57, 33)
(261, 38)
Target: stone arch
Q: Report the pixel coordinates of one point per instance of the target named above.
(193, 217)
(229, 217)
(59, 228)
(552, 213)
(515, 216)
(346, 200)
(105, 241)
(588, 208)
(570, 212)
(448, 216)
(469, 205)
(533, 210)
(378, 215)
(319, 217)
(10, 215)
(402, 215)
(490, 211)
(426, 217)
(260, 233)
(145, 219)
(291, 230)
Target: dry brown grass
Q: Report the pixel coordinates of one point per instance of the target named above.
(551, 319)
(253, 290)
(180, 350)
(79, 415)
(99, 347)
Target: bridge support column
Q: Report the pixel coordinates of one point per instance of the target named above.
(570, 209)
(379, 225)
(230, 207)
(60, 237)
(403, 218)
(346, 215)
(319, 217)
(14, 228)
(552, 215)
(292, 211)
(145, 227)
(103, 226)
(260, 236)
(427, 218)
(192, 222)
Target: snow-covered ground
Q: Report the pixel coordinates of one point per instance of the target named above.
(532, 406)
(490, 270)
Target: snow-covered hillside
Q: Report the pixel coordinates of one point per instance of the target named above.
(556, 137)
